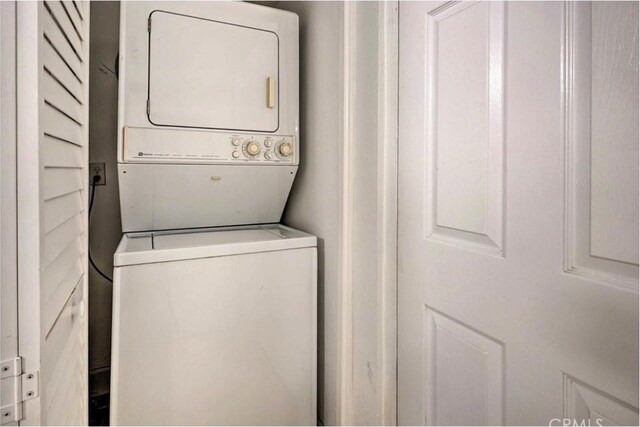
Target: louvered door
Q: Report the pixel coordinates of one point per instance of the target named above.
(52, 92)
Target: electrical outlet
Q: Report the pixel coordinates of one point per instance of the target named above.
(97, 169)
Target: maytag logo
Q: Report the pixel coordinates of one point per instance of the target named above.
(140, 154)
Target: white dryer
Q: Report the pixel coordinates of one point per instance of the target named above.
(215, 327)
(207, 113)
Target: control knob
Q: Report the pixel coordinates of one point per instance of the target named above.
(251, 148)
(285, 149)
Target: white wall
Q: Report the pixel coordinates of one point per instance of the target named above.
(315, 202)
(365, 200)
(339, 142)
(105, 230)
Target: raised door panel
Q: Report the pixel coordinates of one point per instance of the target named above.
(465, 374)
(589, 405)
(602, 142)
(614, 131)
(465, 147)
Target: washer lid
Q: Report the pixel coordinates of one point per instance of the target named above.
(175, 245)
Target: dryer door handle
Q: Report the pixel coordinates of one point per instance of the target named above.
(271, 92)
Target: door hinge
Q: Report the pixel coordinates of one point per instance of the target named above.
(148, 107)
(149, 24)
(17, 387)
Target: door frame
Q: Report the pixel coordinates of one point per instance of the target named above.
(8, 184)
(388, 142)
(386, 230)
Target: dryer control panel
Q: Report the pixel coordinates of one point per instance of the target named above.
(264, 148)
(144, 145)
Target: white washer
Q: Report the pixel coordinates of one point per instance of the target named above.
(215, 326)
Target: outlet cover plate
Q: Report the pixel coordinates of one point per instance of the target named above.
(99, 170)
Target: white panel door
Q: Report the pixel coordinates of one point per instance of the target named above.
(211, 74)
(518, 213)
(52, 182)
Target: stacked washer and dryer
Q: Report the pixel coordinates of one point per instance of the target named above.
(214, 303)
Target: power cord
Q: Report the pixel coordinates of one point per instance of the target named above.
(94, 181)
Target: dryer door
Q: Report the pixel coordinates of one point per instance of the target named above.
(210, 74)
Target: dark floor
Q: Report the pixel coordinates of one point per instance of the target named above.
(99, 410)
(99, 397)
